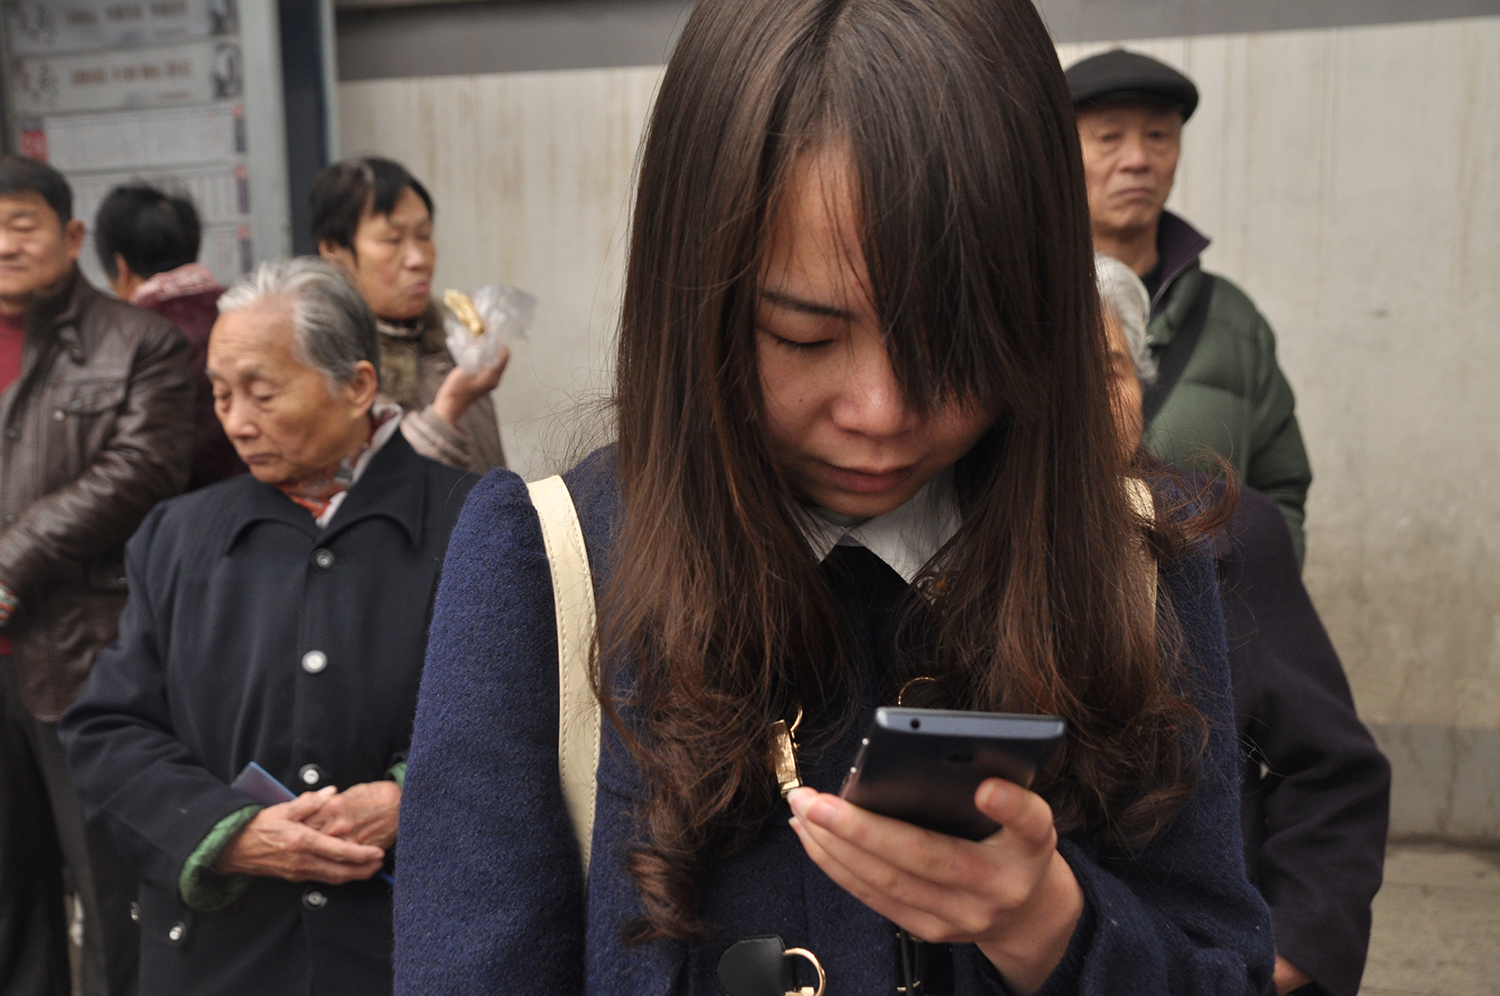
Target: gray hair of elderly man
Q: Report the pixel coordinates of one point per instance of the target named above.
(332, 326)
(1127, 301)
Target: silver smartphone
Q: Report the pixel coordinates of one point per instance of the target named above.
(923, 766)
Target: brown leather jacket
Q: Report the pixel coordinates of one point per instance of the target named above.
(97, 429)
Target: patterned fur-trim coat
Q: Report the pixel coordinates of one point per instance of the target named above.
(413, 362)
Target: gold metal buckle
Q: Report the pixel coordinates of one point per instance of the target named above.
(923, 680)
(784, 756)
(812, 958)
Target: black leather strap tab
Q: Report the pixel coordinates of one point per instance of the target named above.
(757, 966)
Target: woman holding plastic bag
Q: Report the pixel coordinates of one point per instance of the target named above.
(865, 446)
(374, 219)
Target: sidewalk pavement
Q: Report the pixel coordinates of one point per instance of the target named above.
(1437, 923)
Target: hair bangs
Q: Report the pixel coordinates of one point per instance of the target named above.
(952, 165)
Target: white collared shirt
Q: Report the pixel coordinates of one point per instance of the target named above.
(905, 538)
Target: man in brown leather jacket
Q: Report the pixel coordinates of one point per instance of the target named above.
(96, 427)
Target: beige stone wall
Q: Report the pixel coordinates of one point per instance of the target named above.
(1350, 179)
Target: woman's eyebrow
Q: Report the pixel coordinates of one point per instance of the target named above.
(788, 301)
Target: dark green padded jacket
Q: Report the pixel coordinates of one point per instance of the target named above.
(1232, 398)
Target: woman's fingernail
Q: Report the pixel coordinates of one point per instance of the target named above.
(820, 811)
(994, 794)
(798, 800)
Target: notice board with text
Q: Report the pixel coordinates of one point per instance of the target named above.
(110, 91)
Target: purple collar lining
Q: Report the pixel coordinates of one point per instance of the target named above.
(1179, 245)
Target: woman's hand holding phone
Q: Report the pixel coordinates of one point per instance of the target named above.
(1012, 894)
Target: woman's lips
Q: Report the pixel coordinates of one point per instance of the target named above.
(867, 482)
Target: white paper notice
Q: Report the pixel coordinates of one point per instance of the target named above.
(194, 73)
(41, 26)
(112, 92)
(225, 250)
(141, 139)
(220, 193)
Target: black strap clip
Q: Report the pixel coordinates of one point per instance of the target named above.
(765, 966)
(926, 969)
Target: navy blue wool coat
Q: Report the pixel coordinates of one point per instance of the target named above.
(490, 895)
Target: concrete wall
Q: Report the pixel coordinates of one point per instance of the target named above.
(445, 39)
(1348, 176)
(390, 38)
(531, 175)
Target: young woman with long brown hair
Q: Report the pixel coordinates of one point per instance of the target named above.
(865, 438)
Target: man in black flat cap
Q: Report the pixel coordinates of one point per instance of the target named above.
(1219, 389)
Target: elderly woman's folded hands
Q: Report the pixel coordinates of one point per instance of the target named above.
(325, 836)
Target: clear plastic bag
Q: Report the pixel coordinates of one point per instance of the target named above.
(504, 313)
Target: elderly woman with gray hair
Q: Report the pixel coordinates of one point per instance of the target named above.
(277, 618)
(1315, 790)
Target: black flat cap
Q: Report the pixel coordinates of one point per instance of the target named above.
(1121, 75)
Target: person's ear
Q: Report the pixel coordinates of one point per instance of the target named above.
(73, 233)
(124, 282)
(363, 386)
(338, 255)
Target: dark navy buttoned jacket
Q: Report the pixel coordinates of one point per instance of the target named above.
(253, 635)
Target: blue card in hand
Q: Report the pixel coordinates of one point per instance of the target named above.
(260, 785)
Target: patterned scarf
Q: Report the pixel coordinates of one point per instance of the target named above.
(190, 278)
(317, 491)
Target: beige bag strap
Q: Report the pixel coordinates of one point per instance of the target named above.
(577, 708)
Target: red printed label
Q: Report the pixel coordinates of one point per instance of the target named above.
(34, 143)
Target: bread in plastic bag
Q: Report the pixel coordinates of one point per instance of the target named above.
(479, 324)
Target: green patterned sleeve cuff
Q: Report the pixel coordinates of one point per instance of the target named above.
(397, 773)
(201, 887)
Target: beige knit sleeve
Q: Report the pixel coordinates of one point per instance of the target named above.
(434, 438)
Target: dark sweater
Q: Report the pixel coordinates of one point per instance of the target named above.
(490, 894)
(1316, 787)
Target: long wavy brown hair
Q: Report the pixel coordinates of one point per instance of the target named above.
(975, 231)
